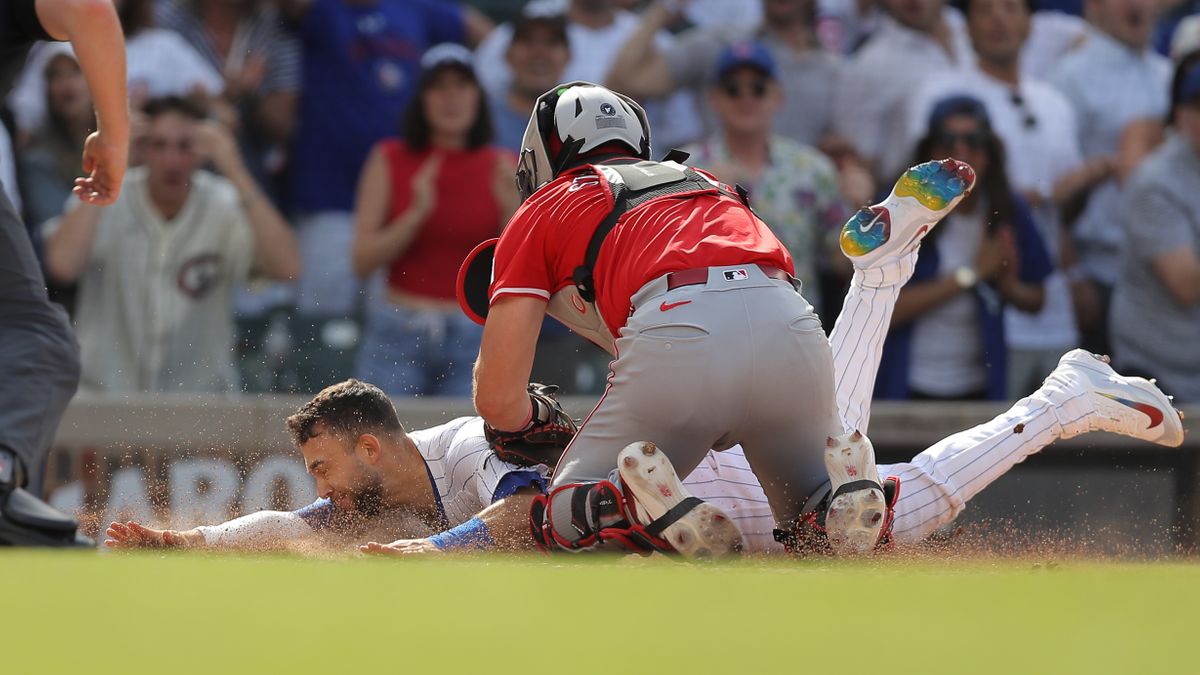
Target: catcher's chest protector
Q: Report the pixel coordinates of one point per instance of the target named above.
(633, 185)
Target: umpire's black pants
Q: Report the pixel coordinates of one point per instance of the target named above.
(39, 358)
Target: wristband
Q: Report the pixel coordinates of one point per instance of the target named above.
(471, 535)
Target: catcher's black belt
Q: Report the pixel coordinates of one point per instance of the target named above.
(699, 275)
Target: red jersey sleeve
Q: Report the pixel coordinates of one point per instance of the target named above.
(546, 238)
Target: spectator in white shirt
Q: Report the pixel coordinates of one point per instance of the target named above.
(916, 40)
(161, 62)
(1037, 125)
(645, 68)
(597, 32)
(537, 53)
(1115, 82)
(947, 338)
(157, 269)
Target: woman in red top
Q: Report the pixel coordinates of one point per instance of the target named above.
(423, 203)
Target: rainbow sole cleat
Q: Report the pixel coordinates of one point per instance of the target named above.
(895, 226)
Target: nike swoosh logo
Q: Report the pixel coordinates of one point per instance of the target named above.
(1155, 415)
(866, 227)
(666, 306)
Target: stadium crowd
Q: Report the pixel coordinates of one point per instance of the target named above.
(311, 173)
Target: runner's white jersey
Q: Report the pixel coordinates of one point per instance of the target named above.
(467, 474)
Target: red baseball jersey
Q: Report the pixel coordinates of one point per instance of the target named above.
(547, 238)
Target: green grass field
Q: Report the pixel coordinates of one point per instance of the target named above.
(181, 613)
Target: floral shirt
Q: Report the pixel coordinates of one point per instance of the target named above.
(797, 195)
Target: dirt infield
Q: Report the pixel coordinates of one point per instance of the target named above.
(937, 612)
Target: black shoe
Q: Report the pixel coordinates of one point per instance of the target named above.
(26, 520)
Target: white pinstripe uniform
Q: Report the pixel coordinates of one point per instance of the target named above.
(466, 473)
(937, 483)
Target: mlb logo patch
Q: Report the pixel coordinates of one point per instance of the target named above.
(736, 275)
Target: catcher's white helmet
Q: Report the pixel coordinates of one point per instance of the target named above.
(572, 119)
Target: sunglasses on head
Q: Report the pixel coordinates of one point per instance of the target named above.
(734, 89)
(1028, 119)
(972, 139)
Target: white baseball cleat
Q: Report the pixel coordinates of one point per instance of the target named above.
(1130, 406)
(894, 227)
(857, 510)
(697, 529)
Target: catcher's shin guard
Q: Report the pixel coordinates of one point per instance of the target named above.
(589, 516)
(604, 515)
(807, 536)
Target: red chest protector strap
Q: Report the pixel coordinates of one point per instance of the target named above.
(641, 182)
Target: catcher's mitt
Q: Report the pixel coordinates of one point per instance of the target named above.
(544, 440)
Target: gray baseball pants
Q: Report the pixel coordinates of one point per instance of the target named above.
(741, 359)
(39, 358)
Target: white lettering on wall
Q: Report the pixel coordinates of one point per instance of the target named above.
(202, 491)
(128, 498)
(256, 493)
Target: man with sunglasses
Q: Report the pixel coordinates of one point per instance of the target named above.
(157, 269)
(1037, 125)
(672, 273)
(795, 188)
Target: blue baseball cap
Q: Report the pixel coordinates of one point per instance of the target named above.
(959, 105)
(746, 54)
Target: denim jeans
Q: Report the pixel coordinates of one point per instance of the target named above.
(408, 352)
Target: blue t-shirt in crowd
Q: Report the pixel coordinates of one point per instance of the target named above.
(361, 63)
(508, 124)
(509, 127)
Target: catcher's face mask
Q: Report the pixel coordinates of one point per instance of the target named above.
(570, 120)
